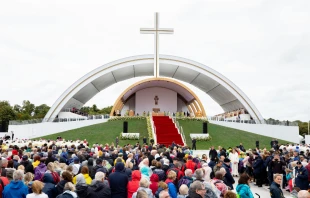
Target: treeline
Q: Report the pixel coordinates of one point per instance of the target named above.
(94, 110)
(26, 111)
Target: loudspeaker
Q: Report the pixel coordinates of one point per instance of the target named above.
(257, 144)
(205, 127)
(125, 127)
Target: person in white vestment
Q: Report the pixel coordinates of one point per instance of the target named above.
(234, 158)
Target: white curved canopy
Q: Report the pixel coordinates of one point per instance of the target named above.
(217, 86)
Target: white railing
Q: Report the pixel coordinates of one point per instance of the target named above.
(252, 121)
(56, 120)
(153, 130)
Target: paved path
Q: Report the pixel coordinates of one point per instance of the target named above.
(263, 191)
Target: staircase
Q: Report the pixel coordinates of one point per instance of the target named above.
(166, 131)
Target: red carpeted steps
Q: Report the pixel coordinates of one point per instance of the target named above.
(166, 131)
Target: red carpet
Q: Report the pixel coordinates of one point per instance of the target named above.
(166, 131)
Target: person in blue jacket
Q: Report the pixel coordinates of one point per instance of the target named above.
(16, 188)
(243, 187)
(301, 177)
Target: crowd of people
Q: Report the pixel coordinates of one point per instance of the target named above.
(64, 169)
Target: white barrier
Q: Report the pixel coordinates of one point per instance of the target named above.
(288, 133)
(29, 131)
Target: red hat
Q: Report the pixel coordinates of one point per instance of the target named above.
(14, 152)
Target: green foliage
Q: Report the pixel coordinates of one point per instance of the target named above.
(41, 111)
(27, 107)
(7, 113)
(95, 111)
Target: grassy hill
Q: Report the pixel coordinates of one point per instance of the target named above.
(221, 136)
(104, 132)
(224, 136)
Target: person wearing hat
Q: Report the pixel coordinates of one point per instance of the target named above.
(28, 165)
(118, 181)
(301, 176)
(76, 165)
(229, 180)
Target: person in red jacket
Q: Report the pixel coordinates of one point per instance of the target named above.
(154, 183)
(133, 185)
(190, 164)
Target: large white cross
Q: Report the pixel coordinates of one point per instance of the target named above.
(156, 31)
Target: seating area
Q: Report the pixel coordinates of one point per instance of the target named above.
(236, 115)
(76, 111)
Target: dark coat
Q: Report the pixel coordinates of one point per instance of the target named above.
(118, 181)
(98, 168)
(60, 186)
(28, 166)
(49, 186)
(84, 191)
(228, 179)
(258, 165)
(301, 178)
(275, 191)
(101, 189)
(212, 154)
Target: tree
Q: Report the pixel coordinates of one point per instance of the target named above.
(41, 111)
(106, 110)
(6, 114)
(28, 107)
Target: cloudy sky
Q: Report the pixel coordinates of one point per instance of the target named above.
(261, 46)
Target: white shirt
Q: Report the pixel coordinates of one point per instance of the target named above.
(33, 195)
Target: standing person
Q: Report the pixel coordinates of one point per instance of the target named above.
(301, 177)
(194, 144)
(243, 187)
(144, 140)
(197, 190)
(258, 165)
(233, 156)
(229, 180)
(116, 141)
(12, 135)
(212, 153)
(118, 181)
(275, 187)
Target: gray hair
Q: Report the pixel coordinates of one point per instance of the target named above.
(163, 194)
(99, 176)
(188, 172)
(199, 174)
(18, 175)
(196, 185)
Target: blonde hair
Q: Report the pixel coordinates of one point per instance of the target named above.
(37, 187)
(28, 178)
(277, 175)
(21, 167)
(51, 166)
(172, 175)
(69, 186)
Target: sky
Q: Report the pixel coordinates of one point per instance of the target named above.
(261, 46)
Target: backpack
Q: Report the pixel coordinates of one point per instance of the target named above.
(184, 181)
(39, 172)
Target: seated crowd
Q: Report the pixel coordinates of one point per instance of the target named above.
(231, 114)
(74, 169)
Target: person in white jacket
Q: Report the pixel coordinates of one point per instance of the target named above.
(234, 158)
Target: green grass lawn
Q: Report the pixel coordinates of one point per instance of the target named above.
(104, 132)
(221, 136)
(224, 136)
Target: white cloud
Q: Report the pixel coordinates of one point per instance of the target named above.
(261, 46)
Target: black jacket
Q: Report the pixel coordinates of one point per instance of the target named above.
(118, 181)
(228, 179)
(275, 191)
(212, 154)
(258, 165)
(28, 166)
(84, 191)
(97, 168)
(101, 189)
